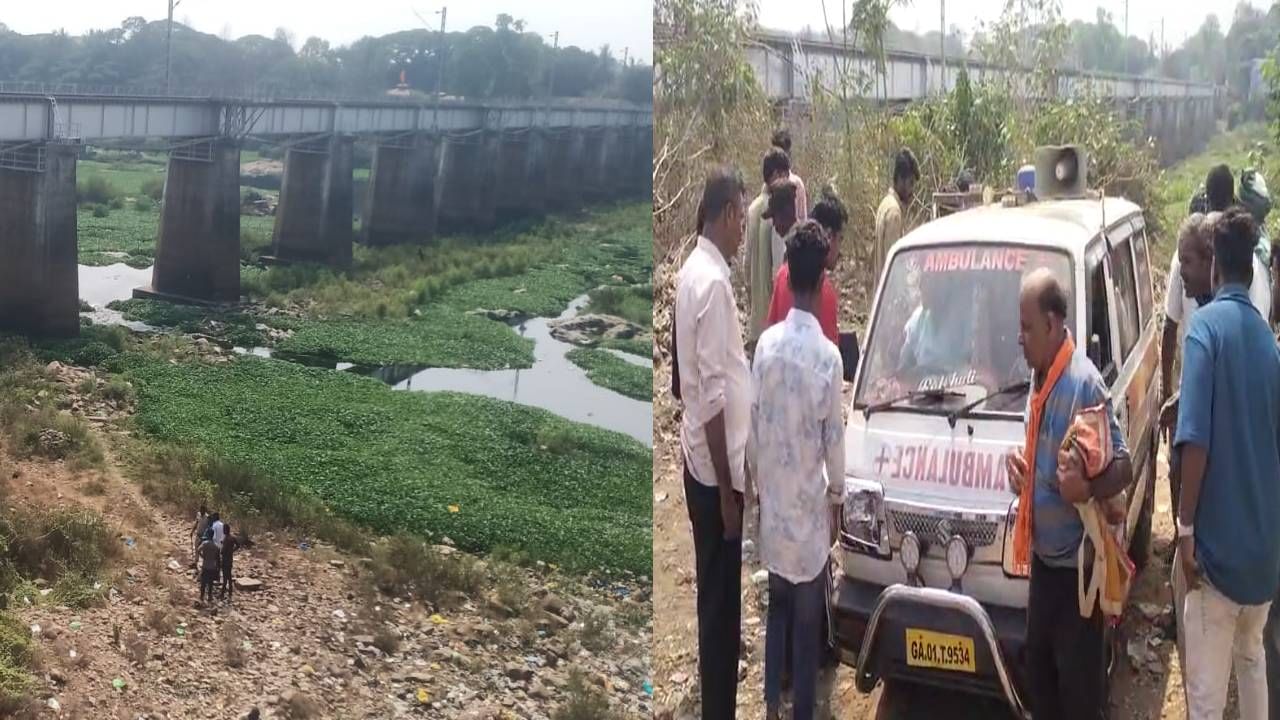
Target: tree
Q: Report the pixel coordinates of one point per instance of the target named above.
(284, 35)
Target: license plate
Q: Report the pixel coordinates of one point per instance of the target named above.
(940, 650)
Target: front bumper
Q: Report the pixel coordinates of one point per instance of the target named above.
(869, 628)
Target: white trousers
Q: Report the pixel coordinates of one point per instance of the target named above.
(1218, 634)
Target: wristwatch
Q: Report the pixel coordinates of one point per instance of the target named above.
(1185, 530)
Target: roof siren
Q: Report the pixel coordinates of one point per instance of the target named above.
(1062, 171)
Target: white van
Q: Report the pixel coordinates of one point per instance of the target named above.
(926, 593)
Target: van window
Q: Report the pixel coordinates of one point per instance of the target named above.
(1142, 266)
(1098, 324)
(947, 318)
(1126, 296)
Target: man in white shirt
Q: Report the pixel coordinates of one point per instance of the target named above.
(795, 453)
(714, 385)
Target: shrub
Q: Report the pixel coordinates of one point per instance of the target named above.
(582, 701)
(153, 188)
(117, 390)
(95, 190)
(100, 211)
(403, 563)
(143, 205)
(51, 434)
(116, 203)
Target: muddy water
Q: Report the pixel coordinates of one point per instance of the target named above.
(553, 383)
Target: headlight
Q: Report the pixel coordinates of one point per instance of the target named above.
(910, 552)
(1010, 520)
(861, 519)
(957, 557)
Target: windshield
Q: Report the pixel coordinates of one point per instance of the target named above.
(948, 318)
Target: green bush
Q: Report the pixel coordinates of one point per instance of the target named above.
(116, 203)
(143, 205)
(95, 190)
(117, 390)
(153, 187)
(100, 211)
(402, 563)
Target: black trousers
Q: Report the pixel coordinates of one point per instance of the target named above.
(1066, 654)
(719, 579)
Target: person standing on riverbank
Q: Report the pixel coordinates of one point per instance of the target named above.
(210, 559)
(715, 391)
(831, 216)
(229, 546)
(891, 215)
(782, 140)
(795, 456)
(759, 241)
(1228, 552)
(197, 534)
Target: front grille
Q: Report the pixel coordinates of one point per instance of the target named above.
(977, 533)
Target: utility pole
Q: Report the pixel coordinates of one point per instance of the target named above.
(626, 54)
(444, 15)
(1162, 39)
(168, 44)
(551, 80)
(942, 43)
(1124, 45)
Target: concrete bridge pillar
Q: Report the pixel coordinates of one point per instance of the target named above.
(644, 160)
(313, 220)
(39, 283)
(519, 193)
(592, 165)
(617, 152)
(469, 179)
(400, 204)
(564, 169)
(198, 248)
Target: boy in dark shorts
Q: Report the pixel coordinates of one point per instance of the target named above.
(210, 559)
(229, 546)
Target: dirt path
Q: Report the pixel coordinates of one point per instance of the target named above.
(1151, 690)
(317, 640)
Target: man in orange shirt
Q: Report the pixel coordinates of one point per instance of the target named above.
(830, 214)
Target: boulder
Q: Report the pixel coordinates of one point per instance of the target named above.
(590, 328)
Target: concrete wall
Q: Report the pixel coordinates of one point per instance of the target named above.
(313, 219)
(400, 206)
(198, 249)
(39, 285)
(469, 181)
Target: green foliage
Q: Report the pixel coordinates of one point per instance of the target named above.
(633, 303)
(153, 187)
(703, 69)
(616, 374)
(50, 434)
(404, 563)
(95, 190)
(441, 337)
(503, 61)
(100, 211)
(102, 238)
(16, 659)
(396, 461)
(236, 327)
(641, 345)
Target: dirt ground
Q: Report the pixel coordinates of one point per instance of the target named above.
(317, 640)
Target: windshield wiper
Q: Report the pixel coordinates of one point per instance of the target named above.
(933, 394)
(960, 412)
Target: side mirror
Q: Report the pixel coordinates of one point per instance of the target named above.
(1095, 351)
(849, 354)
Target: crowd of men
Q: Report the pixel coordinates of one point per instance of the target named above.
(214, 548)
(766, 436)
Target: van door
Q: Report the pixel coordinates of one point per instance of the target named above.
(1133, 393)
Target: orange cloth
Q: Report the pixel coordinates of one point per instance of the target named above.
(1022, 526)
(1112, 571)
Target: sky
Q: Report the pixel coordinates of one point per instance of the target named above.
(1145, 16)
(585, 23)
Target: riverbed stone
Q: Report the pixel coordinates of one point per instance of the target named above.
(588, 329)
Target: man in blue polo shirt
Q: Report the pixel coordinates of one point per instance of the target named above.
(1229, 437)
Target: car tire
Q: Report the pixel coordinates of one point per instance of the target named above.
(1140, 545)
(901, 700)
